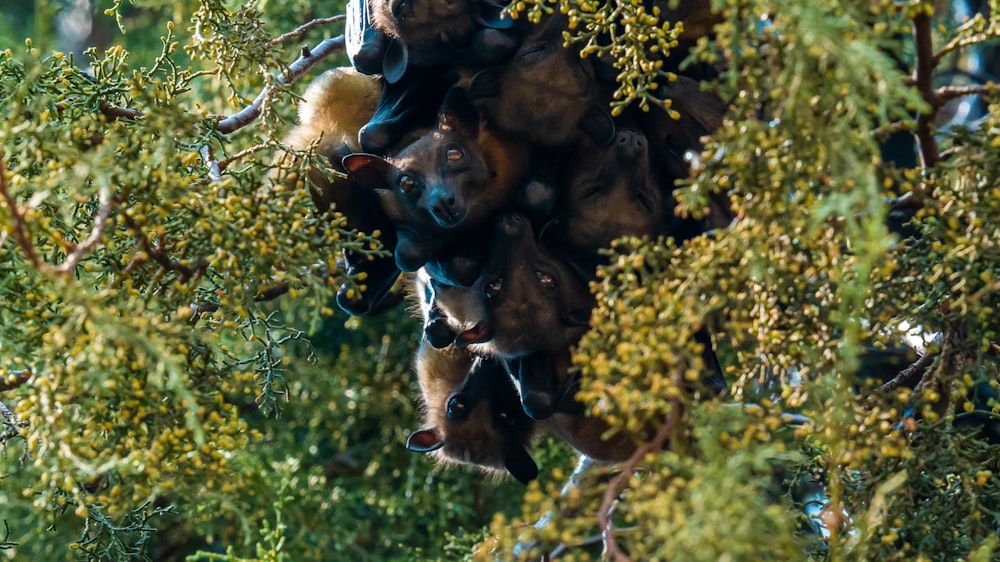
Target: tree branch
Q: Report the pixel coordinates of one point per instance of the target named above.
(906, 373)
(160, 256)
(96, 233)
(17, 220)
(214, 169)
(946, 93)
(923, 70)
(308, 59)
(16, 379)
(119, 112)
(304, 28)
(619, 481)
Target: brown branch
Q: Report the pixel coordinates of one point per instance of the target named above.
(17, 220)
(119, 112)
(619, 481)
(304, 28)
(923, 70)
(272, 292)
(225, 162)
(906, 373)
(17, 379)
(77, 251)
(946, 93)
(159, 254)
(295, 71)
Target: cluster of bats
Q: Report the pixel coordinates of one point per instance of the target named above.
(485, 153)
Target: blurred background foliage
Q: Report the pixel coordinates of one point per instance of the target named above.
(163, 404)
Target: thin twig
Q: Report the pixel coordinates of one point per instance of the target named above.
(946, 93)
(304, 28)
(160, 256)
(119, 112)
(19, 378)
(17, 219)
(619, 481)
(295, 71)
(225, 162)
(96, 233)
(583, 543)
(906, 373)
(964, 41)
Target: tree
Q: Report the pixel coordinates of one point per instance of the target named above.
(161, 298)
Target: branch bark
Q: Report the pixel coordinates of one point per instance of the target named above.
(615, 486)
(308, 59)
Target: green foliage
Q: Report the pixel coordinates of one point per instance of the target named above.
(156, 384)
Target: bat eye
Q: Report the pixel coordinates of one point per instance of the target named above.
(454, 154)
(406, 183)
(546, 279)
(493, 288)
(506, 419)
(458, 407)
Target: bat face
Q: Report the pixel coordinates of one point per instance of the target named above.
(451, 179)
(546, 92)
(481, 423)
(536, 301)
(612, 194)
(453, 315)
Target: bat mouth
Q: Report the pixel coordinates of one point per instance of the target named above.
(448, 217)
(480, 333)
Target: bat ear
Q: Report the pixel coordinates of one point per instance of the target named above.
(411, 254)
(395, 61)
(458, 114)
(520, 465)
(598, 126)
(367, 170)
(485, 84)
(424, 441)
(491, 15)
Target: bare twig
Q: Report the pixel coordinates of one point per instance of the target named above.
(225, 162)
(619, 481)
(16, 379)
(119, 112)
(961, 41)
(272, 292)
(159, 254)
(946, 93)
(583, 543)
(77, 251)
(919, 365)
(304, 28)
(295, 71)
(17, 219)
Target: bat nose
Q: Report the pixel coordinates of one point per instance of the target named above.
(447, 209)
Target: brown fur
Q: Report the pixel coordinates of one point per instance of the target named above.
(335, 106)
(492, 432)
